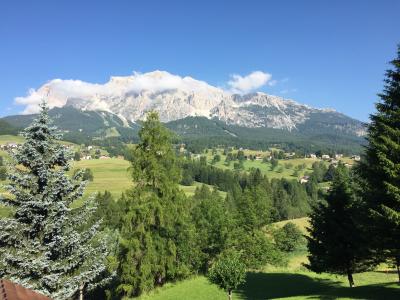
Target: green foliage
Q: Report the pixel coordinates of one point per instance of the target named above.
(216, 158)
(77, 156)
(87, 174)
(238, 165)
(256, 248)
(380, 169)
(187, 178)
(110, 211)
(3, 173)
(288, 165)
(335, 242)
(228, 272)
(240, 155)
(254, 208)
(274, 163)
(7, 128)
(154, 165)
(213, 222)
(288, 238)
(45, 245)
(319, 171)
(289, 198)
(156, 236)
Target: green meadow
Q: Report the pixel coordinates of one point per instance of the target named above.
(285, 284)
(281, 171)
(292, 281)
(109, 174)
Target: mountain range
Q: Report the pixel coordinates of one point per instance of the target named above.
(191, 108)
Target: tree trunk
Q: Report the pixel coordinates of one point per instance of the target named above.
(350, 278)
(229, 294)
(81, 291)
(398, 267)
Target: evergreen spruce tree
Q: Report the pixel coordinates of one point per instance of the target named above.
(43, 245)
(157, 241)
(335, 242)
(380, 168)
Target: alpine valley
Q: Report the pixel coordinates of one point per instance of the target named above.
(199, 114)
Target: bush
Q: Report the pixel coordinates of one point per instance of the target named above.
(228, 272)
(288, 238)
(87, 174)
(187, 178)
(77, 156)
(3, 173)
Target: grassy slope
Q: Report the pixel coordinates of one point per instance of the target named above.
(279, 172)
(290, 282)
(302, 223)
(109, 174)
(113, 175)
(266, 167)
(4, 139)
(286, 284)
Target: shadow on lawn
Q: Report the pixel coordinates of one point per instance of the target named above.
(261, 286)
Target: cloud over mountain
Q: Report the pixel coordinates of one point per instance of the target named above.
(58, 91)
(244, 84)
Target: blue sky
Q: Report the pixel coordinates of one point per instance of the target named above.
(322, 53)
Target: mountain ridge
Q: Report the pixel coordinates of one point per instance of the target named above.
(175, 98)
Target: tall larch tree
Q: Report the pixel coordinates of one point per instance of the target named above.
(44, 245)
(335, 242)
(156, 235)
(380, 168)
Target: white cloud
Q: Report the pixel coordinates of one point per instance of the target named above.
(95, 96)
(244, 84)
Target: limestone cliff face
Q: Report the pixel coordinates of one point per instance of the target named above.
(175, 97)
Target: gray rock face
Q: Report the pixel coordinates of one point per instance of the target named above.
(175, 98)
